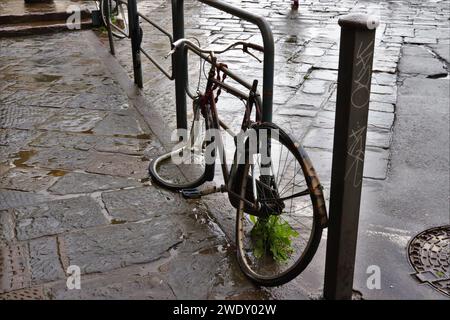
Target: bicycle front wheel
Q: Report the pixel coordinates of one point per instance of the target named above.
(281, 235)
(118, 14)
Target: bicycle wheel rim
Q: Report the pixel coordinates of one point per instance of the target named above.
(120, 13)
(189, 170)
(276, 273)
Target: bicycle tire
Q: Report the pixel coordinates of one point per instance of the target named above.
(206, 175)
(319, 213)
(103, 5)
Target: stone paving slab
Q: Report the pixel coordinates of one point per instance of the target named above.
(115, 286)
(21, 117)
(142, 203)
(117, 246)
(24, 179)
(57, 217)
(77, 183)
(13, 198)
(44, 261)
(117, 165)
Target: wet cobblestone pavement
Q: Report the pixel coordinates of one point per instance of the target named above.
(74, 188)
(74, 149)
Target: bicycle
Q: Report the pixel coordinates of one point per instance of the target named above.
(118, 15)
(271, 181)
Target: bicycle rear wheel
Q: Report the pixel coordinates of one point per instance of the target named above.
(118, 13)
(280, 238)
(187, 165)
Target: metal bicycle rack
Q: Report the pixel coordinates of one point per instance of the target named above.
(179, 59)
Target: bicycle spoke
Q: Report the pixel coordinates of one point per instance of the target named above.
(287, 183)
(289, 187)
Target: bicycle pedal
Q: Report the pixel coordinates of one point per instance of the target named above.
(193, 193)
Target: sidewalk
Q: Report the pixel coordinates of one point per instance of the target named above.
(75, 188)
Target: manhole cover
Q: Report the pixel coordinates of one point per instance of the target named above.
(429, 255)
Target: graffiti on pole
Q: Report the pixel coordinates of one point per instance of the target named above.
(361, 91)
(356, 153)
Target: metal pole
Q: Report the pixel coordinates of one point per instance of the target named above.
(108, 27)
(179, 63)
(352, 108)
(135, 35)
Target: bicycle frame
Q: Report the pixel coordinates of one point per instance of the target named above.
(235, 92)
(252, 98)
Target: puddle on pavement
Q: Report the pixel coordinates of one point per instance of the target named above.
(118, 221)
(291, 39)
(230, 283)
(212, 250)
(57, 173)
(23, 156)
(251, 295)
(442, 75)
(46, 77)
(145, 136)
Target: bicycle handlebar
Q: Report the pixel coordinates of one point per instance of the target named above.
(245, 47)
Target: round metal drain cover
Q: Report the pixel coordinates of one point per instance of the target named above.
(429, 255)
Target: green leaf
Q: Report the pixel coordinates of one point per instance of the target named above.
(273, 234)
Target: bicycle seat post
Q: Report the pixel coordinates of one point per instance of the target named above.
(212, 70)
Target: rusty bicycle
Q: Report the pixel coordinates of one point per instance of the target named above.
(271, 181)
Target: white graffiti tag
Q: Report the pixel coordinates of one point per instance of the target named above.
(360, 94)
(356, 152)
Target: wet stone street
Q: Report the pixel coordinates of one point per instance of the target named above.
(75, 188)
(75, 146)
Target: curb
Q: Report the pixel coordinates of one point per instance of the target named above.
(40, 23)
(39, 17)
